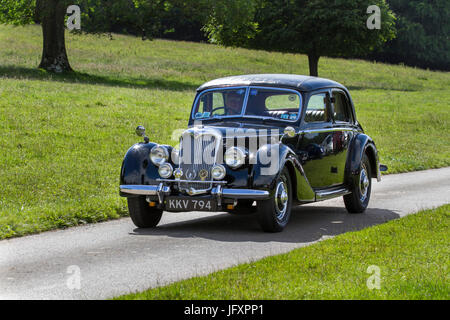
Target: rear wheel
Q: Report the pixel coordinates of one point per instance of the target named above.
(273, 214)
(142, 215)
(358, 200)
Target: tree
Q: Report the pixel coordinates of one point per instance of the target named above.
(97, 16)
(313, 27)
(51, 15)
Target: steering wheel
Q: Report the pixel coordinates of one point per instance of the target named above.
(215, 109)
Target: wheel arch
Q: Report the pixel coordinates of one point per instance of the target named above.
(286, 157)
(361, 144)
(289, 165)
(371, 153)
(137, 167)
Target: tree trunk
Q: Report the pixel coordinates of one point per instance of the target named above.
(313, 61)
(51, 14)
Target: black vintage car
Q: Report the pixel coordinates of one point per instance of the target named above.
(255, 143)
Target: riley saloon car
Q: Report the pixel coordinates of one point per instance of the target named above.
(255, 144)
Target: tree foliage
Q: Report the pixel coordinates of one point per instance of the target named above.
(17, 12)
(313, 27)
(139, 17)
(184, 19)
(333, 28)
(231, 22)
(423, 34)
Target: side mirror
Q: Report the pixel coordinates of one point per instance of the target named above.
(289, 132)
(140, 131)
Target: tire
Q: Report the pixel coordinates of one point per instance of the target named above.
(142, 215)
(358, 200)
(273, 214)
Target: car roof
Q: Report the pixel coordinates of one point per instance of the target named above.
(299, 82)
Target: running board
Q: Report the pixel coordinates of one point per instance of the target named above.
(331, 193)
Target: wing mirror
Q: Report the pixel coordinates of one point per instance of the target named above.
(140, 131)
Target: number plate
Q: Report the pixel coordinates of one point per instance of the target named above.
(190, 204)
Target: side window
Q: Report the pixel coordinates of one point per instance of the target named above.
(316, 110)
(341, 107)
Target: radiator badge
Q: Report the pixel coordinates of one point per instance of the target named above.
(203, 174)
(191, 174)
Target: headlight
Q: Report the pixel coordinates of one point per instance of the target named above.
(175, 156)
(235, 157)
(159, 155)
(218, 172)
(165, 170)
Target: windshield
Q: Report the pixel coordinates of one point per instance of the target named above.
(220, 103)
(281, 104)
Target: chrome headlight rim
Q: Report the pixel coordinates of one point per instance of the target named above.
(165, 170)
(241, 157)
(222, 170)
(159, 155)
(175, 156)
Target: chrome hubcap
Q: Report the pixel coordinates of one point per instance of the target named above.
(281, 200)
(363, 183)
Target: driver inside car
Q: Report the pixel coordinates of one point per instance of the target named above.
(233, 103)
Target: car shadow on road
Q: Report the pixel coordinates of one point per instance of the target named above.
(307, 224)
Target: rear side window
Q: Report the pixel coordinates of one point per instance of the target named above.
(316, 110)
(341, 107)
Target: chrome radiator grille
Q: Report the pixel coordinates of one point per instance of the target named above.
(197, 157)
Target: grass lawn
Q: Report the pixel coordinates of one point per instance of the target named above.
(412, 255)
(63, 137)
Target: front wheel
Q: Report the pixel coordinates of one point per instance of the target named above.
(142, 215)
(274, 213)
(358, 200)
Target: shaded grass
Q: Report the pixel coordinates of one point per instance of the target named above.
(85, 78)
(63, 137)
(411, 267)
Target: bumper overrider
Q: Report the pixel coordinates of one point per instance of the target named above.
(218, 193)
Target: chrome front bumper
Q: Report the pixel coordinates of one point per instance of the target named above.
(154, 190)
(218, 192)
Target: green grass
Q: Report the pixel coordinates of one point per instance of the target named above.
(411, 267)
(63, 137)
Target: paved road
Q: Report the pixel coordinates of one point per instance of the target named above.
(115, 258)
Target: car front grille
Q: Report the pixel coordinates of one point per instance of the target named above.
(198, 153)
